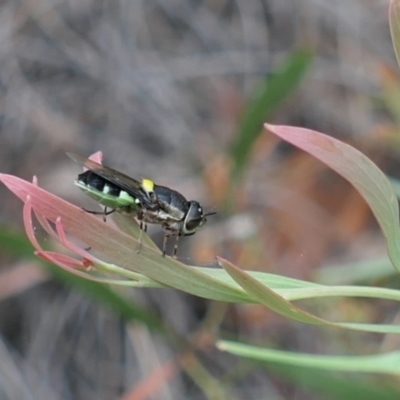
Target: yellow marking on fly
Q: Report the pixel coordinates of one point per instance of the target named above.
(148, 185)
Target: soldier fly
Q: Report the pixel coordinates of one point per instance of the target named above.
(148, 202)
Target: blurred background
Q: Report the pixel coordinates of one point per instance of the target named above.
(163, 88)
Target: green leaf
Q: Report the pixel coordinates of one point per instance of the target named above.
(274, 301)
(268, 97)
(268, 297)
(388, 363)
(128, 225)
(119, 247)
(127, 262)
(271, 280)
(359, 170)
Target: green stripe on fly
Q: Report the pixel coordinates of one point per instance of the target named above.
(148, 202)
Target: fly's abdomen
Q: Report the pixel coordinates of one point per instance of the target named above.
(104, 192)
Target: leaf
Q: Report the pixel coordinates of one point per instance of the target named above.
(271, 299)
(268, 297)
(359, 170)
(128, 225)
(388, 363)
(121, 248)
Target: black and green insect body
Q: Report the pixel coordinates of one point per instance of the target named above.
(104, 192)
(150, 203)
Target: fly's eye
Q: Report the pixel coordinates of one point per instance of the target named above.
(194, 218)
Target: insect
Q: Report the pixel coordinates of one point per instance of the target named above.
(148, 202)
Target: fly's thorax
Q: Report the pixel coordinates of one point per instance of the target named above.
(173, 228)
(172, 202)
(157, 216)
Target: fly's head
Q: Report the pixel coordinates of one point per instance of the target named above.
(195, 218)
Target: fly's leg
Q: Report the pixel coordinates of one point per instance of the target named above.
(176, 246)
(166, 237)
(140, 236)
(142, 227)
(164, 247)
(103, 213)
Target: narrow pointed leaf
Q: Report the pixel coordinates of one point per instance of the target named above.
(388, 363)
(359, 170)
(120, 248)
(271, 299)
(268, 297)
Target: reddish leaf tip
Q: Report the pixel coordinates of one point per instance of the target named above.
(97, 157)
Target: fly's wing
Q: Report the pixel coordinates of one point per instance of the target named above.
(126, 183)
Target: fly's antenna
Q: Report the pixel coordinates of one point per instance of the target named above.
(211, 212)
